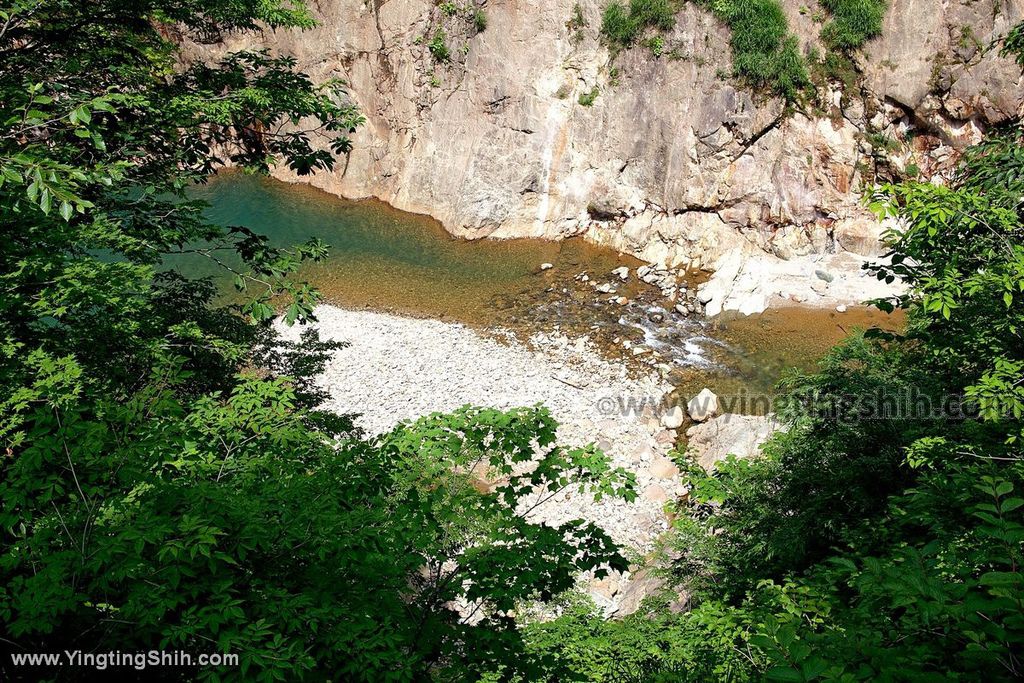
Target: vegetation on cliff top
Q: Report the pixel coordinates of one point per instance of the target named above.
(853, 23)
(764, 53)
(766, 56)
(622, 25)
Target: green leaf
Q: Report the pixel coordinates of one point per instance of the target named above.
(1001, 579)
(786, 674)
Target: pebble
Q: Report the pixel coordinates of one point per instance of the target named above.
(442, 366)
(663, 468)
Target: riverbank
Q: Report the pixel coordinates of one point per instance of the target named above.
(397, 368)
(386, 260)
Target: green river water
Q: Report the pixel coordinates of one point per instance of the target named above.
(389, 260)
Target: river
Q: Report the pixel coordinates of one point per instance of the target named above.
(389, 260)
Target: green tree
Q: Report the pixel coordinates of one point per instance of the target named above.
(167, 481)
(881, 537)
(903, 559)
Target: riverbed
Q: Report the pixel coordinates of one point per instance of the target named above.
(431, 323)
(391, 261)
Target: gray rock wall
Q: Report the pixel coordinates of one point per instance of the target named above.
(673, 161)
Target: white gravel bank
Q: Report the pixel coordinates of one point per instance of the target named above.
(398, 368)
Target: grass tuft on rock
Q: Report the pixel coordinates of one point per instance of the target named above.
(854, 22)
(764, 54)
(621, 25)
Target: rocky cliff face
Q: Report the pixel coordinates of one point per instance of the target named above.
(672, 160)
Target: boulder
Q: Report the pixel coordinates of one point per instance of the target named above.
(622, 273)
(643, 454)
(672, 419)
(666, 436)
(703, 406)
(655, 493)
(729, 434)
(546, 266)
(640, 585)
(663, 468)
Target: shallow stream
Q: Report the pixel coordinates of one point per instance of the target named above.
(389, 260)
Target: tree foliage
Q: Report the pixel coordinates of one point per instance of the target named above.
(167, 480)
(881, 537)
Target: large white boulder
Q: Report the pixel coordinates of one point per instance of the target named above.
(703, 406)
(673, 419)
(729, 434)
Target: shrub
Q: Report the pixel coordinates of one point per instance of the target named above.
(764, 54)
(882, 141)
(577, 22)
(657, 45)
(480, 20)
(587, 98)
(617, 26)
(438, 47)
(836, 66)
(621, 26)
(854, 22)
(659, 14)
(1013, 44)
